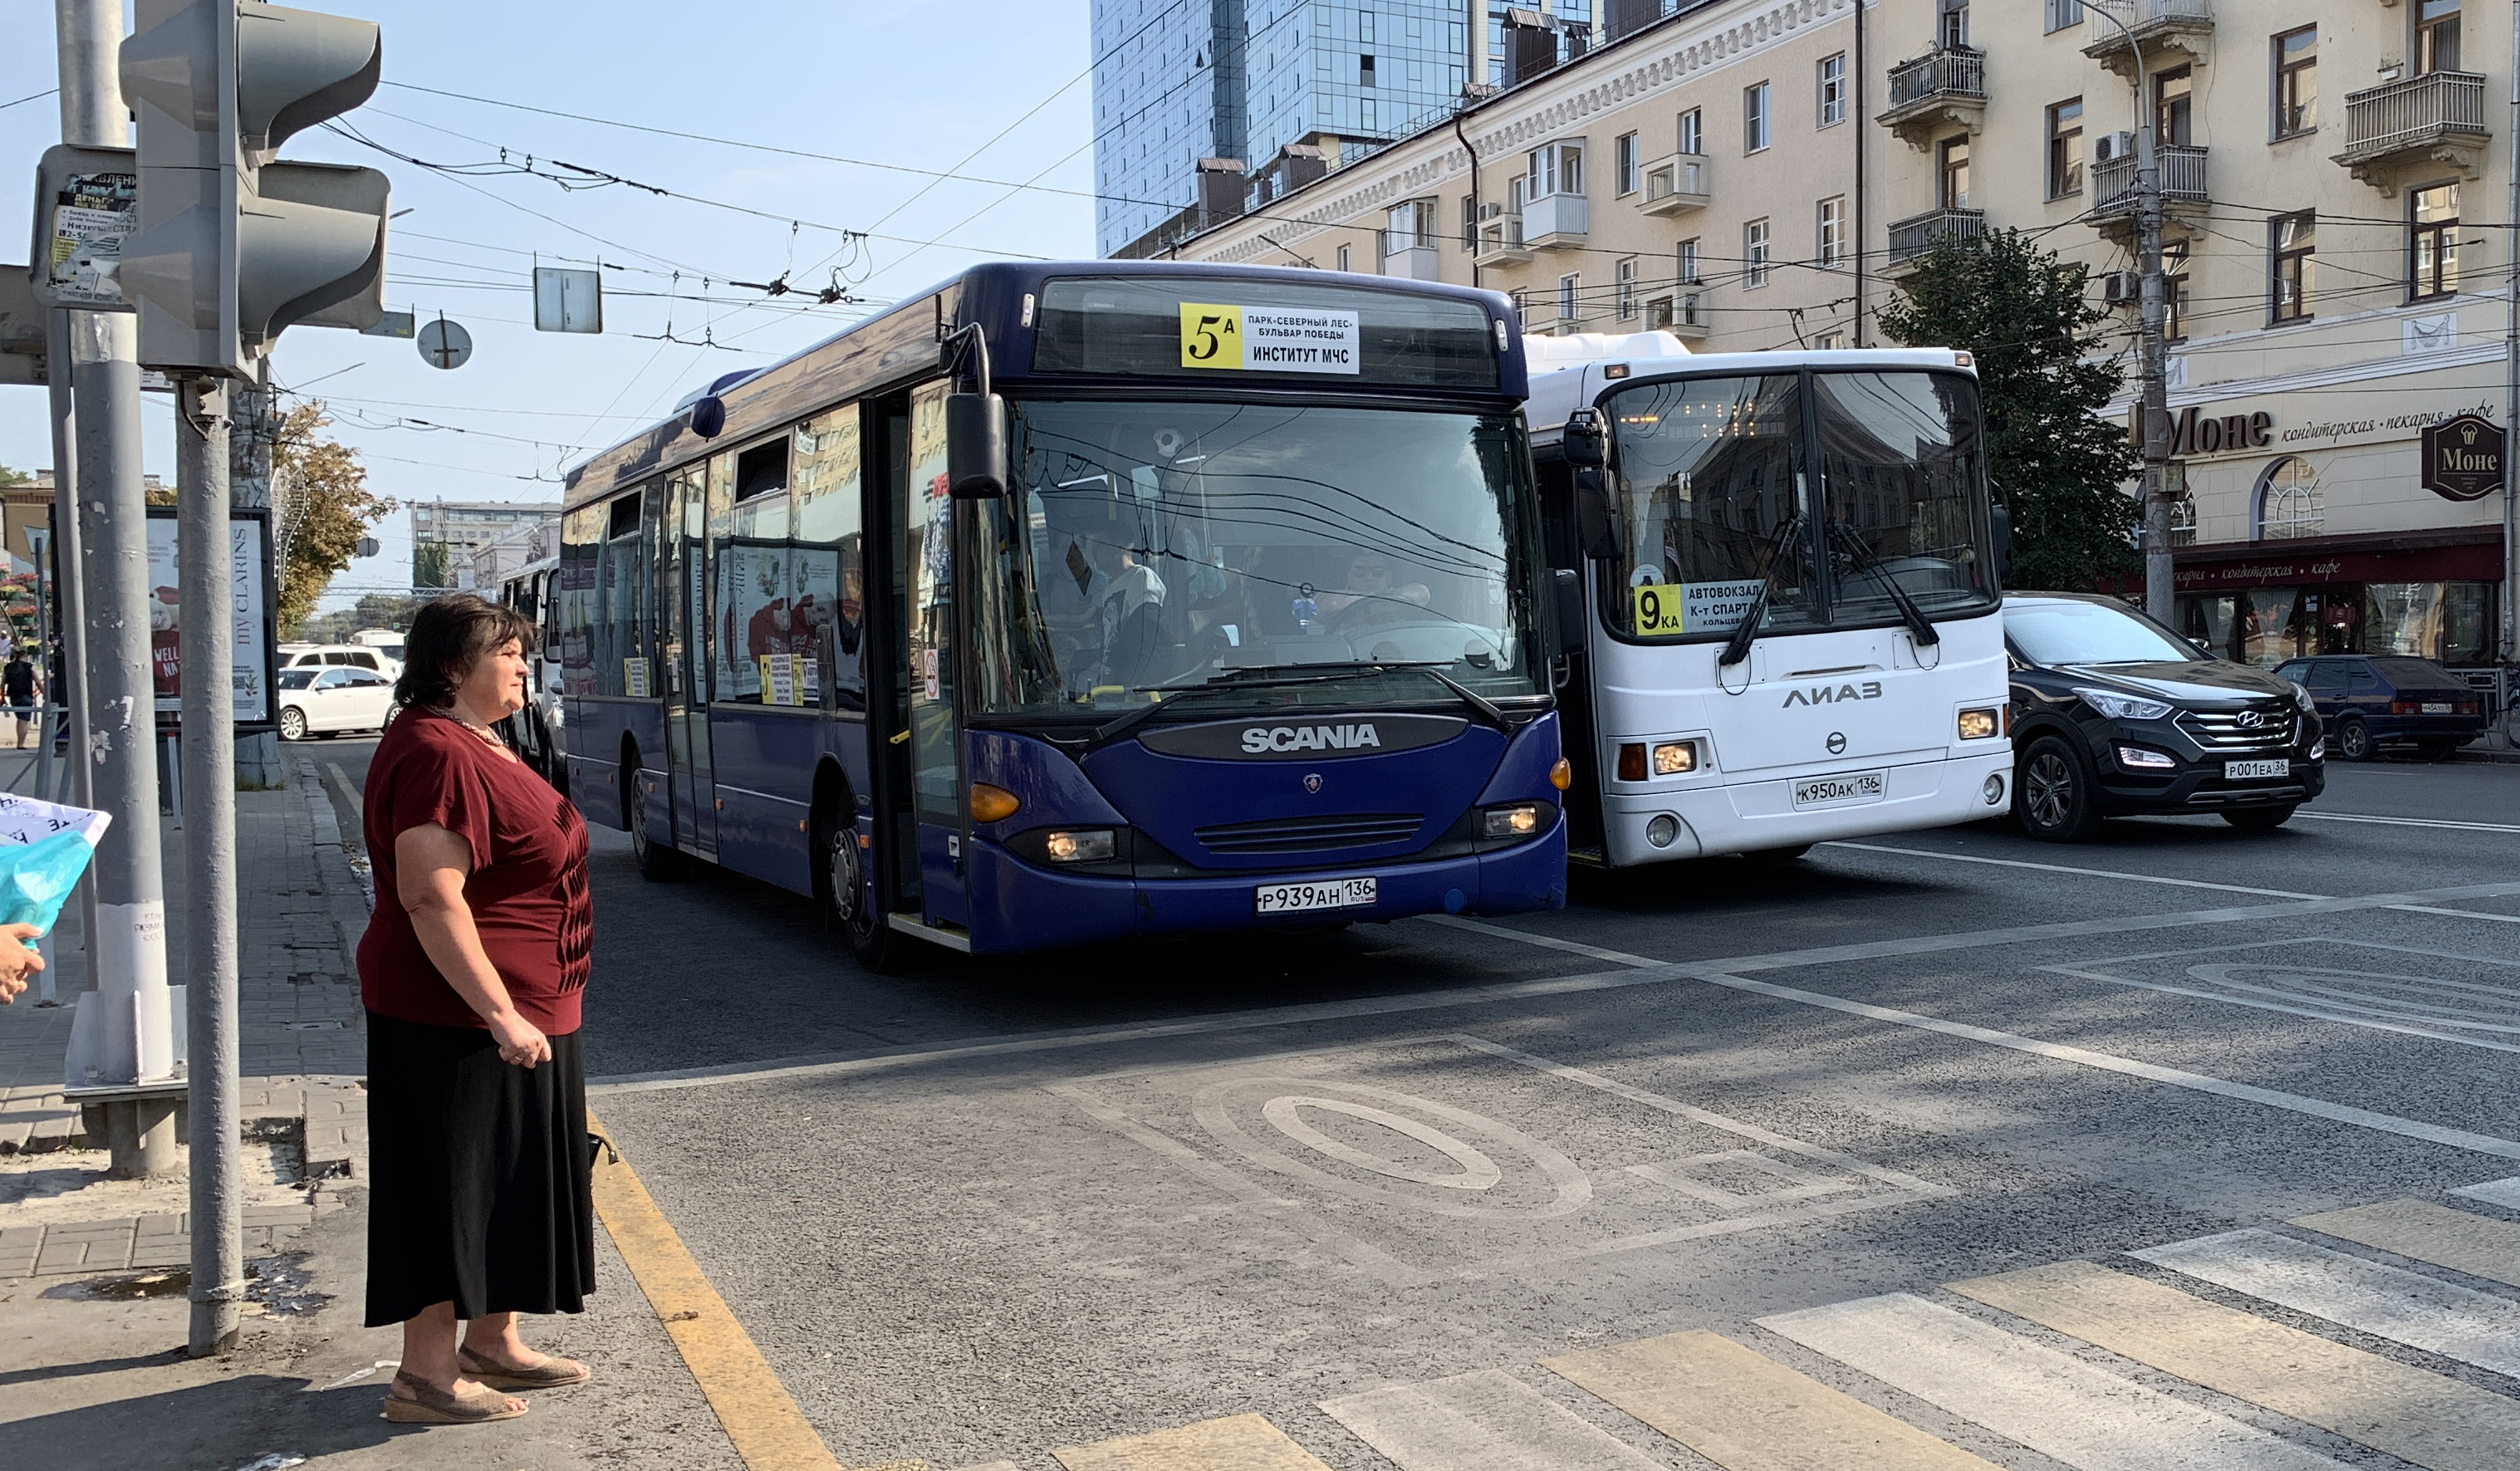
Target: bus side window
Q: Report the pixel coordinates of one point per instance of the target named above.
(828, 558)
(756, 598)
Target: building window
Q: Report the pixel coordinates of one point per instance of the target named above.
(1951, 173)
(1833, 233)
(2296, 54)
(1470, 222)
(1693, 133)
(2062, 14)
(2174, 292)
(1658, 314)
(1342, 257)
(1569, 288)
(1833, 340)
(2435, 36)
(2065, 149)
(1754, 254)
(1833, 90)
(1521, 300)
(1626, 295)
(1408, 224)
(1364, 117)
(1364, 25)
(1953, 34)
(2289, 503)
(1556, 169)
(2432, 242)
(1754, 117)
(1624, 163)
(1690, 272)
(2173, 107)
(2293, 241)
(1365, 70)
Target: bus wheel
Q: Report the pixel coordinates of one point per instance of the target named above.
(656, 864)
(841, 887)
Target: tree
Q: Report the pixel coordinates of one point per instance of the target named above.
(432, 566)
(328, 505)
(10, 476)
(2060, 467)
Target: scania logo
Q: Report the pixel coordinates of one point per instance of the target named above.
(1312, 781)
(1261, 740)
(1824, 694)
(2250, 720)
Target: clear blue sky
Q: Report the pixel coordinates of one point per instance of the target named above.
(916, 83)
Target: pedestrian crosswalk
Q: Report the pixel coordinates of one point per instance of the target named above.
(2003, 1357)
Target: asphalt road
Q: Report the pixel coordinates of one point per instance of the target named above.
(996, 1208)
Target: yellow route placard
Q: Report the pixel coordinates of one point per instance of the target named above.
(1212, 336)
(1658, 609)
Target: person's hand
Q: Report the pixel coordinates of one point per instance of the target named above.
(518, 1040)
(18, 959)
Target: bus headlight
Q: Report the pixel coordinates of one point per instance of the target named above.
(1091, 845)
(1514, 819)
(1674, 758)
(1978, 724)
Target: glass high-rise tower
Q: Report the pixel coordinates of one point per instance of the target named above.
(1179, 80)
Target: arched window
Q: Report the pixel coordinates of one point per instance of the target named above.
(2289, 501)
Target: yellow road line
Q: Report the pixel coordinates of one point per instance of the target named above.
(2473, 1244)
(1748, 1412)
(2423, 1417)
(1237, 1442)
(767, 1430)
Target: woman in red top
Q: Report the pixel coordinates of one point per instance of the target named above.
(470, 971)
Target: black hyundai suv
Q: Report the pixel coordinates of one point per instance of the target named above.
(2114, 714)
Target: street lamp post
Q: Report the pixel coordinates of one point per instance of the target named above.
(2158, 581)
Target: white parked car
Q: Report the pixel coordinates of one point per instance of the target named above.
(341, 655)
(326, 700)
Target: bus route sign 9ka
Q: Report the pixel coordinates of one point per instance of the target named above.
(1276, 339)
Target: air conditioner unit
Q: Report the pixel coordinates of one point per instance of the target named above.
(2111, 148)
(2122, 287)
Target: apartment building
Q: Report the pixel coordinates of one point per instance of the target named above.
(1756, 175)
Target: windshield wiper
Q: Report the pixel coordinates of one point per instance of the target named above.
(1737, 648)
(1278, 677)
(1918, 628)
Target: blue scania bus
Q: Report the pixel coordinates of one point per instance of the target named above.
(1067, 602)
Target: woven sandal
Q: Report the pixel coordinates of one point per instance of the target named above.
(550, 1373)
(430, 1406)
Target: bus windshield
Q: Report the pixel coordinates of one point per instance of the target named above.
(1149, 547)
(1716, 497)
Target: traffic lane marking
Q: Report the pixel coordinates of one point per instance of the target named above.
(1637, 970)
(2409, 1412)
(2388, 821)
(1237, 1442)
(1481, 1421)
(1745, 1411)
(759, 1416)
(2427, 1232)
(2455, 1012)
(2055, 1404)
(2503, 1192)
(2155, 879)
(2370, 1297)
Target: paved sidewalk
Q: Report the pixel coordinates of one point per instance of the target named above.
(301, 1050)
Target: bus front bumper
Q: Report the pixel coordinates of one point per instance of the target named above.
(1750, 816)
(1028, 907)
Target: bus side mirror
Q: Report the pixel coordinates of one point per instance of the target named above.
(1566, 596)
(709, 417)
(1594, 526)
(1587, 439)
(2001, 519)
(975, 446)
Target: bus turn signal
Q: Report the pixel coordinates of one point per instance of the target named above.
(992, 804)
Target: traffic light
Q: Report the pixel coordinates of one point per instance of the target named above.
(233, 245)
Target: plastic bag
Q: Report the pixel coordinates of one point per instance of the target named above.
(44, 848)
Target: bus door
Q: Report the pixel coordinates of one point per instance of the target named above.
(685, 597)
(925, 545)
(1578, 731)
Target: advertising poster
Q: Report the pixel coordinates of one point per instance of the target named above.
(249, 612)
(91, 216)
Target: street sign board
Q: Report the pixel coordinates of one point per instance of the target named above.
(444, 345)
(87, 202)
(2463, 458)
(568, 301)
(251, 607)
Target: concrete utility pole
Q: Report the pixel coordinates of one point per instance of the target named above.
(134, 1020)
(205, 570)
(2511, 389)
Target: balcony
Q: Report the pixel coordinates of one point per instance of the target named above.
(1414, 263)
(2182, 189)
(1500, 241)
(1556, 222)
(1675, 185)
(2157, 26)
(1934, 92)
(2438, 117)
(1912, 237)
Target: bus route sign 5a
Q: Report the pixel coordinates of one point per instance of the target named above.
(1271, 340)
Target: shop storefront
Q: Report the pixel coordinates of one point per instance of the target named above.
(2431, 594)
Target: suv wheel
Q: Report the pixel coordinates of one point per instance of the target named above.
(2354, 739)
(2052, 795)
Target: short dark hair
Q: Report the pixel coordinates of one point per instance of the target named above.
(448, 637)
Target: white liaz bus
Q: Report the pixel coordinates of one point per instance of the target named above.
(1786, 564)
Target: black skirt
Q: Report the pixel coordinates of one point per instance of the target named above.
(478, 1177)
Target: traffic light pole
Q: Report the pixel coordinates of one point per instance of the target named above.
(127, 947)
(203, 569)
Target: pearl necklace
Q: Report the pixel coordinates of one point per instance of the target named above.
(486, 735)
